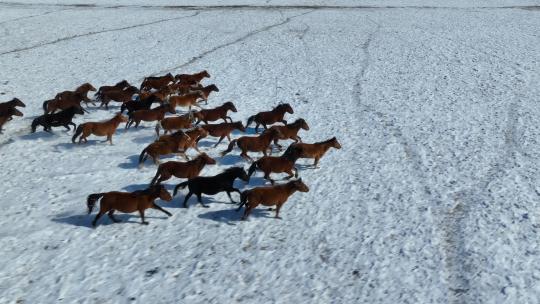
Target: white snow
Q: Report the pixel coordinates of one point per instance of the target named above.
(434, 197)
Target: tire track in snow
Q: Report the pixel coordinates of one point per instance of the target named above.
(96, 33)
(33, 16)
(221, 46)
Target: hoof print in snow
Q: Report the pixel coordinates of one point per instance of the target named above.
(151, 272)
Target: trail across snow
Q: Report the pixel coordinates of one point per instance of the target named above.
(432, 199)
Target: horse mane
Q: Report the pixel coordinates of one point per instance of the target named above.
(326, 141)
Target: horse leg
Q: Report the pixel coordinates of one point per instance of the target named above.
(141, 212)
(229, 137)
(315, 163)
(199, 199)
(278, 206)
(249, 207)
(265, 127)
(67, 127)
(283, 121)
(230, 197)
(109, 138)
(267, 176)
(111, 216)
(94, 222)
(257, 128)
(291, 174)
(297, 139)
(280, 147)
(186, 198)
(74, 126)
(219, 141)
(154, 206)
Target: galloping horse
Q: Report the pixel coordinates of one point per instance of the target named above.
(62, 118)
(290, 131)
(5, 106)
(189, 169)
(223, 130)
(214, 114)
(105, 128)
(80, 94)
(259, 143)
(7, 116)
(315, 151)
(276, 164)
(156, 82)
(270, 117)
(192, 79)
(149, 115)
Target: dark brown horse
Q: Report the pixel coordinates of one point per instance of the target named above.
(5, 106)
(259, 143)
(216, 113)
(105, 128)
(63, 118)
(7, 116)
(315, 151)
(211, 185)
(276, 164)
(156, 82)
(290, 131)
(155, 114)
(80, 94)
(122, 95)
(270, 117)
(128, 202)
(270, 196)
(223, 130)
(205, 91)
(189, 169)
(141, 104)
(192, 79)
(175, 123)
(120, 85)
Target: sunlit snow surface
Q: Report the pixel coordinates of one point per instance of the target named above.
(434, 197)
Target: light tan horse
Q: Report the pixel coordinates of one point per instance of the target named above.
(105, 128)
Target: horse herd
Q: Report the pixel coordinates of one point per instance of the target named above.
(181, 133)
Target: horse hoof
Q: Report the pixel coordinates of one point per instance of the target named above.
(206, 206)
(145, 223)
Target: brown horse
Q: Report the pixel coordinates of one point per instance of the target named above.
(80, 94)
(188, 169)
(105, 128)
(156, 82)
(192, 78)
(7, 115)
(187, 100)
(175, 123)
(207, 90)
(149, 115)
(166, 144)
(270, 117)
(122, 95)
(223, 130)
(183, 88)
(270, 196)
(276, 164)
(128, 202)
(120, 85)
(214, 114)
(15, 102)
(290, 131)
(259, 143)
(316, 150)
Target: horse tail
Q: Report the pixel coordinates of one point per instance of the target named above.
(230, 147)
(250, 120)
(158, 174)
(123, 108)
(35, 123)
(252, 169)
(45, 105)
(142, 155)
(180, 186)
(78, 132)
(92, 199)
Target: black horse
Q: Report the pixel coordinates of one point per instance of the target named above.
(144, 104)
(213, 184)
(62, 118)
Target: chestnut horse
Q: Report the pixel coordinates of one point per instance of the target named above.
(206, 91)
(183, 88)
(62, 118)
(259, 143)
(189, 169)
(316, 150)
(7, 116)
(120, 85)
(175, 123)
(187, 100)
(166, 144)
(149, 115)
(156, 82)
(270, 117)
(216, 113)
(192, 78)
(211, 185)
(105, 128)
(223, 130)
(128, 202)
(80, 94)
(290, 131)
(119, 95)
(276, 164)
(5, 106)
(270, 196)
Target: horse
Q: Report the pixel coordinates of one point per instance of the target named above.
(270, 196)
(187, 100)
(120, 85)
(119, 95)
(189, 169)
(62, 118)
(195, 135)
(166, 144)
(206, 91)
(5, 106)
(223, 130)
(290, 131)
(80, 94)
(259, 143)
(149, 115)
(276, 164)
(270, 117)
(141, 104)
(162, 93)
(214, 114)
(192, 78)
(175, 123)
(183, 88)
(7, 116)
(105, 128)
(316, 150)
(211, 185)
(128, 202)
(156, 82)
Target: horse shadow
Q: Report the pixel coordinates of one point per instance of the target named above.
(39, 135)
(231, 216)
(178, 201)
(144, 140)
(131, 163)
(85, 220)
(230, 159)
(70, 145)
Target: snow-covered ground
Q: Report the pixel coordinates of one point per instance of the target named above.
(434, 197)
